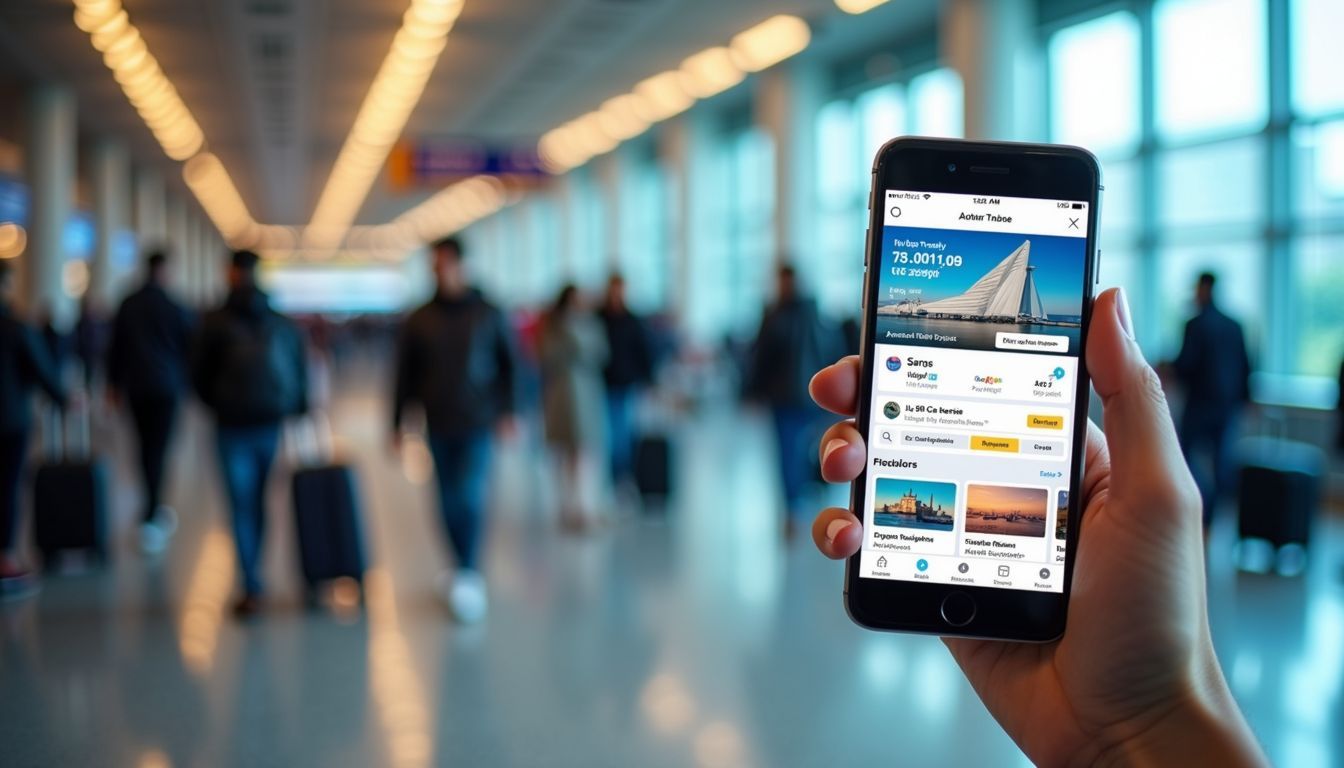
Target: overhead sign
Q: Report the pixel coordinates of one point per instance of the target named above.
(433, 162)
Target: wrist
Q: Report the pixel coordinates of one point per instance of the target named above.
(1202, 726)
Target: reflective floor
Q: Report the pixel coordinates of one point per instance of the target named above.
(694, 640)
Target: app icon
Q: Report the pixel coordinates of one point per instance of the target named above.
(962, 568)
(881, 562)
(893, 363)
(922, 565)
(891, 410)
(1003, 571)
(1045, 573)
(1058, 373)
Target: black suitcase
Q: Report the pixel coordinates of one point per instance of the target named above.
(1279, 491)
(653, 466)
(70, 502)
(70, 508)
(327, 525)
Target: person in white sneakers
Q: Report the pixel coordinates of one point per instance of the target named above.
(455, 359)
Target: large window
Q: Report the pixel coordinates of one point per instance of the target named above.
(1227, 156)
(849, 132)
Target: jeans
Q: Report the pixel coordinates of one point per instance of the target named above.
(13, 454)
(245, 458)
(621, 433)
(1208, 433)
(461, 471)
(154, 417)
(797, 431)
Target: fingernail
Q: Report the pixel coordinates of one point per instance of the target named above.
(1122, 309)
(834, 529)
(834, 445)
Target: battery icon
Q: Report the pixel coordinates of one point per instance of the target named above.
(1077, 206)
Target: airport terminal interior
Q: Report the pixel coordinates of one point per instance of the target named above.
(624, 573)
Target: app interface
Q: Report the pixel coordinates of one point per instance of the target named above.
(979, 314)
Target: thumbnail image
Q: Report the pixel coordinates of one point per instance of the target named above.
(922, 504)
(1006, 510)
(1062, 515)
(944, 287)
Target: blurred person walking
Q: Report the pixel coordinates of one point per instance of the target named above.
(248, 366)
(147, 368)
(25, 363)
(793, 343)
(456, 360)
(629, 368)
(1214, 369)
(573, 352)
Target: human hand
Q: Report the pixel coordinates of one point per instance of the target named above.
(1134, 679)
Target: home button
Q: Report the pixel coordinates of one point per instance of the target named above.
(958, 609)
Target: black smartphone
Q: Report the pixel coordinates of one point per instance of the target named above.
(981, 261)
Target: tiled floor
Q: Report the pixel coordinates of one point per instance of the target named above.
(698, 640)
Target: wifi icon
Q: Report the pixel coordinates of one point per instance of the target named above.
(927, 195)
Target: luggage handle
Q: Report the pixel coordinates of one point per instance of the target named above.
(68, 437)
(310, 439)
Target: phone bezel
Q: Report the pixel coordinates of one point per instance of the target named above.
(1020, 170)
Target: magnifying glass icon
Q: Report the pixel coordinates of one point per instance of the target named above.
(886, 437)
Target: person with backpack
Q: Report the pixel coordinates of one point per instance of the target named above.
(249, 367)
(147, 368)
(24, 364)
(456, 362)
(794, 342)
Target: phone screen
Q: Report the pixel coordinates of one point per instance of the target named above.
(979, 306)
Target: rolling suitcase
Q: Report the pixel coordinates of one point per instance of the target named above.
(1279, 491)
(327, 518)
(653, 466)
(69, 496)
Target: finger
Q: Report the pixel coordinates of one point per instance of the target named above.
(1140, 437)
(837, 533)
(842, 453)
(1097, 466)
(836, 387)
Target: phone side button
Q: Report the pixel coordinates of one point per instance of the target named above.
(958, 609)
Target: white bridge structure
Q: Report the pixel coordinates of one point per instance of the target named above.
(1006, 293)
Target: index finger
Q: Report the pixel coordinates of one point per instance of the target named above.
(836, 387)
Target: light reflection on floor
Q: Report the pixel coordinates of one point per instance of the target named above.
(695, 639)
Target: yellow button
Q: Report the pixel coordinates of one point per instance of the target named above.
(1005, 444)
(1037, 421)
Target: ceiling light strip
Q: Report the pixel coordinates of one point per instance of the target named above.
(700, 76)
(152, 94)
(395, 91)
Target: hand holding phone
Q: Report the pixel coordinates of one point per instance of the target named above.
(1134, 674)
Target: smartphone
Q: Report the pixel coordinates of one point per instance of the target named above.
(981, 261)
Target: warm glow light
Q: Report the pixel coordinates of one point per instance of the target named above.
(770, 42)
(858, 6)
(156, 100)
(207, 591)
(700, 76)
(13, 239)
(395, 91)
(709, 72)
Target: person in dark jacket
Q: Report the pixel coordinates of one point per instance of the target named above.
(1214, 369)
(89, 340)
(455, 360)
(794, 342)
(629, 368)
(249, 367)
(24, 363)
(147, 367)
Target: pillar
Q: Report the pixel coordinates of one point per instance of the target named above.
(682, 150)
(178, 242)
(51, 178)
(992, 45)
(112, 193)
(787, 100)
(151, 220)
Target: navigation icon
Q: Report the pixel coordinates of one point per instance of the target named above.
(962, 568)
(922, 565)
(1003, 571)
(881, 562)
(1045, 573)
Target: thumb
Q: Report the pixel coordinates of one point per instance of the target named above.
(1136, 419)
